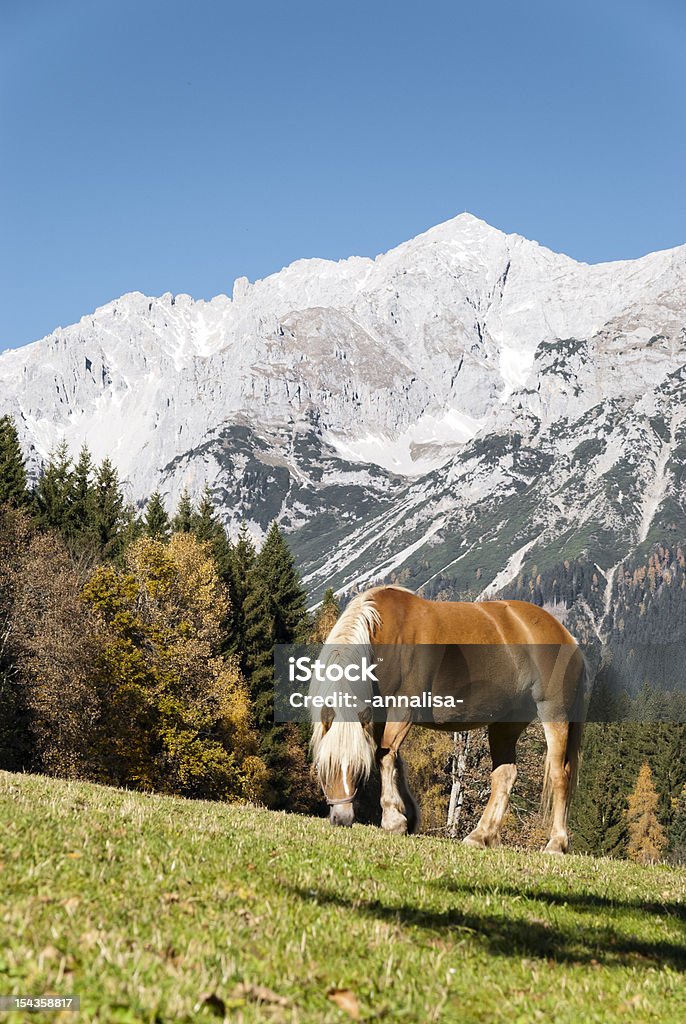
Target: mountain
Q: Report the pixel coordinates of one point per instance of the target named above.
(458, 410)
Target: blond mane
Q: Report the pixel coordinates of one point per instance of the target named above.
(346, 747)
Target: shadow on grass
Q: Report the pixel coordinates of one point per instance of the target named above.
(585, 903)
(516, 936)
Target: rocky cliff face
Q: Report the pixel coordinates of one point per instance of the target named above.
(462, 405)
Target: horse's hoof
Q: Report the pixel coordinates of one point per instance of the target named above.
(397, 826)
(552, 851)
(474, 841)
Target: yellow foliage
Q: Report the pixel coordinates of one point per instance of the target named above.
(180, 707)
(647, 839)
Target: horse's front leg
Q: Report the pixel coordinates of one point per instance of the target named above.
(399, 811)
(393, 817)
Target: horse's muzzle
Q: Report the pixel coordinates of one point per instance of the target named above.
(342, 814)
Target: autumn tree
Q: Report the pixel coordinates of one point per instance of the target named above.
(181, 716)
(50, 641)
(678, 826)
(58, 648)
(647, 839)
(325, 617)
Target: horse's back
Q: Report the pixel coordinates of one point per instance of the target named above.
(409, 619)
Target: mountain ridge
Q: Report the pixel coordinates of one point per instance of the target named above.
(377, 407)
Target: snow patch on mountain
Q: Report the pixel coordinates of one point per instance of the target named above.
(402, 413)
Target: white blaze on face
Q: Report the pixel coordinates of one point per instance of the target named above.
(346, 785)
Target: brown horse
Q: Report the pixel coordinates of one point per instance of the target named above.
(508, 661)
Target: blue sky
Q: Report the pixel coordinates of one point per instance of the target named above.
(168, 146)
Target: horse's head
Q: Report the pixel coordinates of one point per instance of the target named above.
(343, 753)
(340, 792)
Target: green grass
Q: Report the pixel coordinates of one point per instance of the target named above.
(148, 906)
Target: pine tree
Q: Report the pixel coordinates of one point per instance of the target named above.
(677, 831)
(132, 529)
(598, 818)
(52, 496)
(241, 565)
(205, 522)
(13, 490)
(15, 739)
(259, 638)
(110, 515)
(183, 520)
(325, 617)
(156, 522)
(275, 613)
(207, 527)
(647, 839)
(276, 568)
(80, 525)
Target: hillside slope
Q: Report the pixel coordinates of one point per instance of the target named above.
(152, 908)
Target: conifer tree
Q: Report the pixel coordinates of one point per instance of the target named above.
(110, 515)
(52, 496)
(156, 523)
(207, 527)
(132, 529)
(81, 512)
(13, 489)
(276, 569)
(183, 520)
(598, 818)
(240, 566)
(275, 613)
(677, 831)
(647, 839)
(260, 637)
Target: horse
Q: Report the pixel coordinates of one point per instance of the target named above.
(507, 662)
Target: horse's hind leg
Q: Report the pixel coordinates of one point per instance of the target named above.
(399, 811)
(411, 808)
(502, 738)
(557, 788)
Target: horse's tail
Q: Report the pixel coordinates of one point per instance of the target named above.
(575, 734)
(347, 746)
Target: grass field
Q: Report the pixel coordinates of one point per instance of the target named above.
(157, 909)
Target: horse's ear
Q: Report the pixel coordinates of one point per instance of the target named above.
(327, 718)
